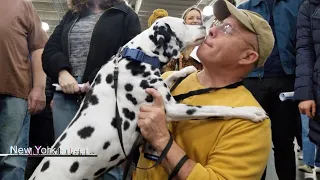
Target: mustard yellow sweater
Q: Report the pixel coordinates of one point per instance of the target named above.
(223, 149)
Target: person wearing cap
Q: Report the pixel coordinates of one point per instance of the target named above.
(157, 14)
(277, 76)
(213, 149)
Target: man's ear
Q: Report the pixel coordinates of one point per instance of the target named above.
(249, 57)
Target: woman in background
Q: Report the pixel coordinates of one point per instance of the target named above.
(89, 34)
(191, 16)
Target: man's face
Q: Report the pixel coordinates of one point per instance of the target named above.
(225, 44)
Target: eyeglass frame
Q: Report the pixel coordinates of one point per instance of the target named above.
(223, 27)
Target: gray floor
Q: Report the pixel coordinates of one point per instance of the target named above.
(271, 173)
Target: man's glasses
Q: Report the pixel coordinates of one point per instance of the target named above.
(228, 29)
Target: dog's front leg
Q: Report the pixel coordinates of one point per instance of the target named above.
(178, 74)
(178, 112)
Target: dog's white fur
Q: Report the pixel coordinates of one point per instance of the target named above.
(92, 127)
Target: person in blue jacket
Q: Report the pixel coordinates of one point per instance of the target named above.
(307, 85)
(278, 75)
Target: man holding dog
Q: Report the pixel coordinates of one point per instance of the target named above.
(214, 149)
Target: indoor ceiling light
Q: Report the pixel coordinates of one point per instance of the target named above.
(208, 11)
(45, 26)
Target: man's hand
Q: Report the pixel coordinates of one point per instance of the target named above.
(152, 122)
(308, 108)
(68, 83)
(36, 100)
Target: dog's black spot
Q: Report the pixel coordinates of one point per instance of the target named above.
(146, 74)
(85, 132)
(174, 52)
(157, 73)
(114, 157)
(165, 85)
(84, 114)
(131, 42)
(126, 125)
(74, 167)
(132, 99)
(159, 79)
(128, 114)
(109, 78)
(156, 52)
(45, 166)
(114, 122)
(136, 68)
(144, 84)
(87, 100)
(100, 171)
(93, 100)
(191, 111)
(153, 68)
(106, 145)
(128, 87)
(63, 136)
(149, 98)
(139, 48)
(153, 81)
(85, 104)
(98, 79)
(34, 178)
(199, 106)
(168, 96)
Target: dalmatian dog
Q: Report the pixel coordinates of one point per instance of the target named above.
(94, 125)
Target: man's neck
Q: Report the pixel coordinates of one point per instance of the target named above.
(216, 79)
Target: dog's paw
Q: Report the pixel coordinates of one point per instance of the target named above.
(188, 70)
(252, 113)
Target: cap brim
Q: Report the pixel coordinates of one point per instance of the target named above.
(241, 16)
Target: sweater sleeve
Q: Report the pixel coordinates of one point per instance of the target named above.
(53, 58)
(241, 153)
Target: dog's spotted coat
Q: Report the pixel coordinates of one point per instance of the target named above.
(94, 126)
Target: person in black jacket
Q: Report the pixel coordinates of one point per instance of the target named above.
(89, 34)
(307, 83)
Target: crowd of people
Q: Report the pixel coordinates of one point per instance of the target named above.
(253, 52)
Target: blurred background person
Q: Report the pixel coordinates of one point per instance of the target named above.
(307, 84)
(191, 16)
(86, 38)
(157, 14)
(22, 80)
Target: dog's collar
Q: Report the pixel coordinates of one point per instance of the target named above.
(138, 55)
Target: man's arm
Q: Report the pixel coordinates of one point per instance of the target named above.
(240, 153)
(38, 75)
(36, 41)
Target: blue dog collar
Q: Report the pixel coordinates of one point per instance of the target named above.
(138, 55)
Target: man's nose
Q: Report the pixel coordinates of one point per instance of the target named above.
(213, 31)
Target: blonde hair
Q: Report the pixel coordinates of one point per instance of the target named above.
(186, 12)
